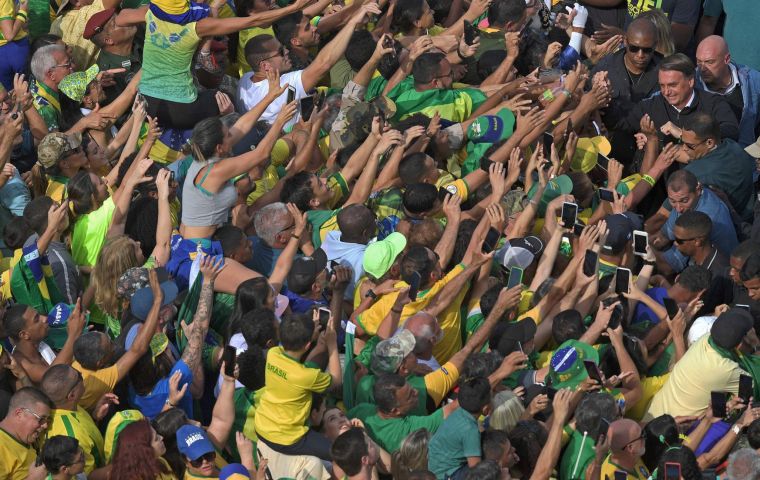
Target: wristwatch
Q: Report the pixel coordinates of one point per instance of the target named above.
(370, 294)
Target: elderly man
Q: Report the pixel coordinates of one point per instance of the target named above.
(738, 84)
(274, 226)
(626, 448)
(28, 417)
(49, 65)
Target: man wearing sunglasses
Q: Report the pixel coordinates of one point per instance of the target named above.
(632, 73)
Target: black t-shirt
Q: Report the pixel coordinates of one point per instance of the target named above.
(735, 101)
(721, 286)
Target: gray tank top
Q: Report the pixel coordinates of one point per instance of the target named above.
(201, 208)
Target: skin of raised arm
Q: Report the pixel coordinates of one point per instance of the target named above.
(163, 232)
(546, 264)
(356, 162)
(363, 186)
(450, 290)
(445, 246)
(246, 121)
(210, 26)
(389, 173)
(282, 267)
(632, 383)
(550, 453)
(223, 415)
(328, 55)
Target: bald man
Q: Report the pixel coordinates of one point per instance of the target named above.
(626, 448)
(427, 333)
(632, 72)
(739, 85)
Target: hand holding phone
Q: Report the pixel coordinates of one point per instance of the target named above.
(593, 370)
(324, 317)
(515, 277)
(622, 280)
(745, 388)
(291, 94)
(414, 286)
(229, 357)
(718, 402)
(569, 214)
(640, 242)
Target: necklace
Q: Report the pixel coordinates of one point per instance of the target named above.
(636, 83)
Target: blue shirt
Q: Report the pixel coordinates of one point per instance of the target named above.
(643, 313)
(456, 439)
(15, 195)
(151, 404)
(264, 256)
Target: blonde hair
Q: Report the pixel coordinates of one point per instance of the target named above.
(115, 258)
(507, 411)
(665, 45)
(411, 456)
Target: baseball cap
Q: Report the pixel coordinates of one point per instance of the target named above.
(96, 23)
(234, 471)
(74, 85)
(566, 368)
(587, 151)
(55, 145)
(305, 270)
(560, 185)
(730, 328)
(192, 442)
(390, 353)
(700, 328)
(57, 319)
(519, 252)
(620, 227)
(754, 149)
(515, 334)
(359, 119)
(115, 426)
(142, 300)
(486, 130)
(380, 255)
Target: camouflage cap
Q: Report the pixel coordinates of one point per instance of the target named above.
(359, 119)
(55, 146)
(390, 353)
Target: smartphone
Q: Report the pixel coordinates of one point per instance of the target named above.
(515, 277)
(172, 176)
(492, 238)
(470, 33)
(604, 427)
(593, 371)
(485, 165)
(745, 387)
(306, 106)
(550, 392)
(229, 356)
(590, 262)
(602, 162)
(569, 214)
(291, 94)
(672, 471)
(616, 317)
(578, 229)
(622, 280)
(640, 242)
(319, 100)
(718, 401)
(606, 195)
(671, 306)
(414, 285)
(388, 42)
(621, 475)
(548, 140)
(324, 317)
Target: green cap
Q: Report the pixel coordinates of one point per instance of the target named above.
(557, 186)
(566, 369)
(74, 85)
(380, 255)
(487, 130)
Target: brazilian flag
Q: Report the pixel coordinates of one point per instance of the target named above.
(32, 281)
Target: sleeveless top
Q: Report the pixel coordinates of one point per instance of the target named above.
(201, 208)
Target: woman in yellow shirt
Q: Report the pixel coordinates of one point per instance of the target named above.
(138, 454)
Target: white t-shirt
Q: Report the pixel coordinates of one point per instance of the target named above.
(237, 341)
(251, 94)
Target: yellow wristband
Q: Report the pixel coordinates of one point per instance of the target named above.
(649, 179)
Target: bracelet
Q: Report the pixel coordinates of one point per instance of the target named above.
(168, 402)
(649, 179)
(736, 429)
(649, 262)
(566, 92)
(297, 237)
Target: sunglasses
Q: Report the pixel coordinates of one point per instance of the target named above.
(692, 146)
(635, 49)
(681, 241)
(209, 457)
(280, 53)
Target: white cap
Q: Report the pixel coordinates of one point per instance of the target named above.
(700, 328)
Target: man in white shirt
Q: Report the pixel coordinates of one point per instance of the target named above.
(264, 53)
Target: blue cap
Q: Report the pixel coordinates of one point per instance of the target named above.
(192, 442)
(59, 315)
(234, 471)
(142, 299)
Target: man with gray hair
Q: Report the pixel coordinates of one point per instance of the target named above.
(49, 65)
(743, 464)
(274, 226)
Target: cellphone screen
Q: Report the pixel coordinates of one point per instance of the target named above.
(307, 106)
(492, 238)
(602, 161)
(485, 163)
(515, 277)
(622, 279)
(569, 214)
(230, 354)
(548, 140)
(640, 240)
(578, 229)
(414, 286)
(621, 475)
(551, 392)
(324, 317)
(671, 306)
(606, 195)
(745, 387)
(589, 263)
(291, 94)
(718, 401)
(470, 33)
(592, 370)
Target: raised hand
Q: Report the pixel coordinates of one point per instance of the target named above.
(210, 267)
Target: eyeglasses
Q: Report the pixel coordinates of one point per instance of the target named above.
(637, 49)
(693, 146)
(643, 436)
(79, 460)
(209, 457)
(40, 419)
(280, 53)
(64, 65)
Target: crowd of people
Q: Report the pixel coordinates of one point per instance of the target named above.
(379, 239)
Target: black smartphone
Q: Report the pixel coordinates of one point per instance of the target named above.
(622, 280)
(671, 306)
(307, 106)
(291, 94)
(578, 229)
(616, 317)
(718, 401)
(640, 242)
(604, 427)
(745, 387)
(621, 475)
(548, 140)
(388, 42)
(470, 33)
(172, 176)
(672, 471)
(324, 317)
(229, 356)
(414, 285)
(442, 193)
(593, 371)
(590, 262)
(492, 238)
(515, 277)
(550, 392)
(569, 214)
(602, 161)
(485, 164)
(606, 195)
